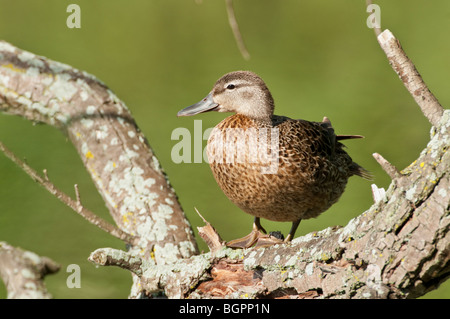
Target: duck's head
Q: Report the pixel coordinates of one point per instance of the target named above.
(241, 92)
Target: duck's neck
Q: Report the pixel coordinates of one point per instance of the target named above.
(255, 121)
(264, 121)
(263, 112)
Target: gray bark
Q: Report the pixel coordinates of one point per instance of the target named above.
(23, 272)
(113, 149)
(398, 248)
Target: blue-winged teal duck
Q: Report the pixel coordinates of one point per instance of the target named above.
(298, 176)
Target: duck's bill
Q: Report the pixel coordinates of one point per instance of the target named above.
(205, 105)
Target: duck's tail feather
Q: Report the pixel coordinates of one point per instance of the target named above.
(347, 137)
(326, 123)
(355, 169)
(360, 171)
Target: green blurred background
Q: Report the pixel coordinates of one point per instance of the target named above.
(318, 58)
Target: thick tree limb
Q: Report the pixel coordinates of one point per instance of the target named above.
(23, 272)
(399, 248)
(113, 149)
(176, 279)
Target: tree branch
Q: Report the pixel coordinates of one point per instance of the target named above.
(398, 248)
(410, 77)
(176, 278)
(74, 204)
(390, 169)
(376, 29)
(235, 28)
(112, 148)
(23, 272)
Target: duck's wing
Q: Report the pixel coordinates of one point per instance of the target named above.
(312, 142)
(305, 141)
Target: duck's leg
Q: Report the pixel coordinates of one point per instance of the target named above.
(291, 234)
(248, 241)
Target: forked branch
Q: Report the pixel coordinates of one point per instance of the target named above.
(66, 199)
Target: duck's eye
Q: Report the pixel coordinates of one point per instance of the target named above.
(230, 86)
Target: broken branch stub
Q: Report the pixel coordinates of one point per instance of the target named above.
(410, 77)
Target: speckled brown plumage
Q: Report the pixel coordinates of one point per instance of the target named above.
(309, 172)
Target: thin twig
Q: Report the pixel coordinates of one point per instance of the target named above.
(390, 169)
(74, 204)
(376, 29)
(77, 194)
(45, 174)
(235, 28)
(78, 198)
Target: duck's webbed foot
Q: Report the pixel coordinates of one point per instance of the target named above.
(273, 238)
(249, 240)
(246, 241)
(260, 238)
(257, 237)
